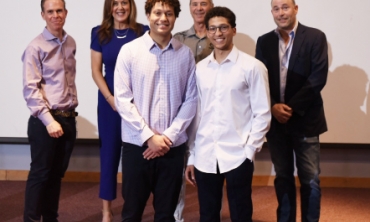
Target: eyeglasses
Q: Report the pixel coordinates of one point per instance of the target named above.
(222, 28)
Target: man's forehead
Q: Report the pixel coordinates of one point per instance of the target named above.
(162, 6)
(274, 2)
(200, 1)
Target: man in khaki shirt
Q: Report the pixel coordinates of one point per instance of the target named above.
(196, 37)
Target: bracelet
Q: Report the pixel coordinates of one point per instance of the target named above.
(106, 98)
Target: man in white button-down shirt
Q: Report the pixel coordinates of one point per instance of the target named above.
(232, 119)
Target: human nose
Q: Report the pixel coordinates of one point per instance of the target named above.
(163, 16)
(218, 31)
(281, 11)
(55, 14)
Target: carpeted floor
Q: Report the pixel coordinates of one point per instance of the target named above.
(79, 202)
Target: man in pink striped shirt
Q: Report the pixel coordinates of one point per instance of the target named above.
(49, 70)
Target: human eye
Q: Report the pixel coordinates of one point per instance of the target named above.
(224, 28)
(285, 7)
(212, 29)
(115, 3)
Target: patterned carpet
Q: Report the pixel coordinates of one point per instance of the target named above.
(79, 202)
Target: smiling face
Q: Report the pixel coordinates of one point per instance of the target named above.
(120, 12)
(284, 13)
(199, 8)
(162, 20)
(54, 15)
(221, 40)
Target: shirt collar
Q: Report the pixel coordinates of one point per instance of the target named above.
(232, 57)
(190, 32)
(150, 43)
(48, 36)
(291, 33)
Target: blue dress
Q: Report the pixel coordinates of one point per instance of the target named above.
(109, 121)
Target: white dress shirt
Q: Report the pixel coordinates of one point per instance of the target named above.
(233, 112)
(155, 90)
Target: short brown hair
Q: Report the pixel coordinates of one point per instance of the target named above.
(43, 2)
(149, 4)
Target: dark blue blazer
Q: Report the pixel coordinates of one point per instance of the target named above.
(306, 77)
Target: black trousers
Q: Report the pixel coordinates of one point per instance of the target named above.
(49, 161)
(239, 191)
(161, 176)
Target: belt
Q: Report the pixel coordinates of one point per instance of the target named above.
(62, 113)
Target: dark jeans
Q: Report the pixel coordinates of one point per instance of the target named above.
(161, 176)
(283, 149)
(239, 191)
(49, 161)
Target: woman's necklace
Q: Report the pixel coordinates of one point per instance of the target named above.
(120, 35)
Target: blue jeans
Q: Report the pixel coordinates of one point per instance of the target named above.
(283, 147)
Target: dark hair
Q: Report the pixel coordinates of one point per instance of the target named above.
(220, 12)
(105, 31)
(43, 2)
(149, 4)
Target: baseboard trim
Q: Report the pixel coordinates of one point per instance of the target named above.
(258, 180)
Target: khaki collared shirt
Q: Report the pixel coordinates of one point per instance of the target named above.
(201, 47)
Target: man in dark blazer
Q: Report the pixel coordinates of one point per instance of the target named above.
(297, 61)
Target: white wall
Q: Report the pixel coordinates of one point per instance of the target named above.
(344, 23)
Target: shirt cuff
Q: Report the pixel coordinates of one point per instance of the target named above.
(191, 160)
(146, 134)
(250, 153)
(171, 136)
(46, 118)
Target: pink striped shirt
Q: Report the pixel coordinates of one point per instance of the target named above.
(49, 71)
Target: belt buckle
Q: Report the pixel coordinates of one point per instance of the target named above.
(66, 113)
(62, 113)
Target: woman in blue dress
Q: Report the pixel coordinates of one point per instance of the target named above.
(118, 27)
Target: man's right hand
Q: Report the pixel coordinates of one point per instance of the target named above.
(54, 129)
(158, 145)
(281, 112)
(189, 175)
